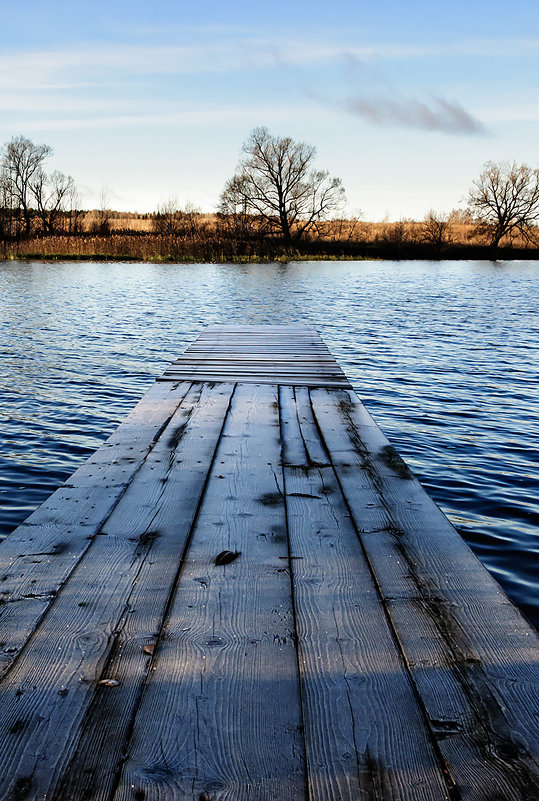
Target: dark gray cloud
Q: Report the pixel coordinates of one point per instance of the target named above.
(435, 115)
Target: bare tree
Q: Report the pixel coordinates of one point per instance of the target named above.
(22, 160)
(460, 217)
(73, 214)
(504, 200)
(192, 219)
(235, 212)
(436, 229)
(276, 183)
(171, 220)
(397, 233)
(6, 209)
(103, 221)
(52, 194)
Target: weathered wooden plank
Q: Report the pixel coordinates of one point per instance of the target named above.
(293, 363)
(248, 338)
(314, 346)
(295, 379)
(57, 723)
(39, 556)
(286, 369)
(288, 333)
(362, 719)
(259, 356)
(254, 351)
(259, 370)
(224, 678)
(472, 655)
(279, 380)
(302, 447)
(262, 328)
(246, 365)
(272, 369)
(308, 343)
(158, 510)
(288, 339)
(250, 343)
(236, 376)
(250, 349)
(235, 326)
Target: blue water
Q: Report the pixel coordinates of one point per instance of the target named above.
(444, 355)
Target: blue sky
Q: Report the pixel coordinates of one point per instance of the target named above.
(404, 101)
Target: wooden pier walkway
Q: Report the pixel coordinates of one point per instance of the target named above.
(245, 594)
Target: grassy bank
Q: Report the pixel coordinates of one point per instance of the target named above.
(207, 239)
(149, 248)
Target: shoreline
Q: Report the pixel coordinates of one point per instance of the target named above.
(412, 252)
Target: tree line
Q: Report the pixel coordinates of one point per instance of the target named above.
(276, 194)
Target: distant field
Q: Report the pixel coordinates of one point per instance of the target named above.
(409, 230)
(207, 237)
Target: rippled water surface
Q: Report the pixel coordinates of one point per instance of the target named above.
(444, 355)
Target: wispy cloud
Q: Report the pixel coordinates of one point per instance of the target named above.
(436, 114)
(215, 117)
(95, 80)
(366, 92)
(88, 65)
(85, 66)
(56, 101)
(497, 48)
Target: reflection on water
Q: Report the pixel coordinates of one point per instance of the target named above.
(445, 357)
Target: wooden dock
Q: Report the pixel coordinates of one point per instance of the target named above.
(245, 594)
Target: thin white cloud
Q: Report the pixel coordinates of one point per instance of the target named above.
(85, 65)
(180, 119)
(68, 103)
(499, 48)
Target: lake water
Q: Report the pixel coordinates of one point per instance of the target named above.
(444, 355)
